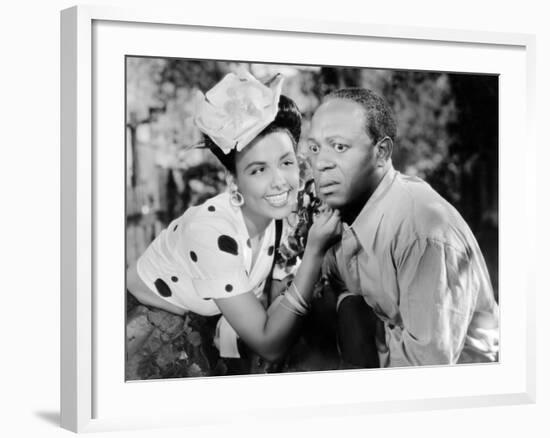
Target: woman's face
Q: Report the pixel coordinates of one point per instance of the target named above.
(267, 176)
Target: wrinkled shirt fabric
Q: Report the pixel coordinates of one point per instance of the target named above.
(415, 261)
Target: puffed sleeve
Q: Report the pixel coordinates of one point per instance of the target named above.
(214, 254)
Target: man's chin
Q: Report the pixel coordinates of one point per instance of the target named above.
(332, 200)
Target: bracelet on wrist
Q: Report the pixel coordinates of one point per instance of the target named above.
(296, 293)
(294, 301)
(290, 307)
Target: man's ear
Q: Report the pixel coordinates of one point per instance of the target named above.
(384, 150)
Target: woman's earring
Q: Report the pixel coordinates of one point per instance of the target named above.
(235, 197)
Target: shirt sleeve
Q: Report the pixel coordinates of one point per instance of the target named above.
(215, 258)
(438, 292)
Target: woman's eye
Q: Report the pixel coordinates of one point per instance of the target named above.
(288, 163)
(313, 148)
(339, 147)
(257, 170)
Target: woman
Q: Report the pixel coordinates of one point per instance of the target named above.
(216, 257)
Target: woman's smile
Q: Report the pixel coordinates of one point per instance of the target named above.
(278, 200)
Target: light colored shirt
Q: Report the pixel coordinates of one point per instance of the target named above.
(417, 264)
(206, 254)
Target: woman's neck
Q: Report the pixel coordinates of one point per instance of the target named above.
(255, 224)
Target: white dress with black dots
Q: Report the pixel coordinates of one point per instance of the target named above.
(206, 254)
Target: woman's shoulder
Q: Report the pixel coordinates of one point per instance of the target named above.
(215, 212)
(218, 208)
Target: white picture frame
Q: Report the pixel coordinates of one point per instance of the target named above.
(93, 395)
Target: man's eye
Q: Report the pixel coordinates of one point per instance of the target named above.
(313, 148)
(339, 147)
(288, 163)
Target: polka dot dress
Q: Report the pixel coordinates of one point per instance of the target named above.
(204, 255)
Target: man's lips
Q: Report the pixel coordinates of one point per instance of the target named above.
(327, 183)
(328, 186)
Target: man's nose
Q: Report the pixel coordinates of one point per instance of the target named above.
(323, 161)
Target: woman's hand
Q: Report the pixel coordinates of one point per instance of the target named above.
(270, 333)
(325, 231)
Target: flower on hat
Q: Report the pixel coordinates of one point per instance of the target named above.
(237, 109)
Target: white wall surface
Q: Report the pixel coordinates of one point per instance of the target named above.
(29, 223)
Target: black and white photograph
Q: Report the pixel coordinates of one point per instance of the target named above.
(284, 219)
(289, 218)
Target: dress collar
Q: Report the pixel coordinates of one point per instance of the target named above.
(267, 239)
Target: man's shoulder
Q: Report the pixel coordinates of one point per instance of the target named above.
(425, 210)
(413, 188)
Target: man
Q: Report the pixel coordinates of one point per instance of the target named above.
(406, 251)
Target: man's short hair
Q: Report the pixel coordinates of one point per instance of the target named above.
(379, 118)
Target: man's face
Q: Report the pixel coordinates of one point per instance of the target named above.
(342, 154)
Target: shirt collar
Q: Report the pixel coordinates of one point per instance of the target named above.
(360, 223)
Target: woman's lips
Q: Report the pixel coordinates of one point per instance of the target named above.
(278, 200)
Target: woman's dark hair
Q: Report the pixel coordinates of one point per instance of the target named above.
(288, 119)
